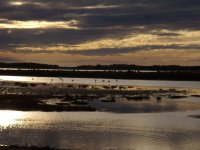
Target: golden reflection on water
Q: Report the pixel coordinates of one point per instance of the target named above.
(12, 78)
(9, 118)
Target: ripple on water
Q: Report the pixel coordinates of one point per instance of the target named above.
(89, 130)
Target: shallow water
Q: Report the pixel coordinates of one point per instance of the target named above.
(103, 130)
(100, 130)
(159, 83)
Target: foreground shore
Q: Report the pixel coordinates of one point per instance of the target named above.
(73, 97)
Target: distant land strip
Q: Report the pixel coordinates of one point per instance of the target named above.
(115, 71)
(102, 67)
(172, 75)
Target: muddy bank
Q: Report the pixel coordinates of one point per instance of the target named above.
(71, 97)
(195, 116)
(36, 103)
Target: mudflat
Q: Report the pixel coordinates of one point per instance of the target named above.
(25, 96)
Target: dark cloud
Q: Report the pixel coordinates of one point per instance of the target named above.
(126, 13)
(97, 19)
(57, 36)
(118, 51)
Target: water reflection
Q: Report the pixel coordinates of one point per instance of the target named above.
(183, 84)
(13, 78)
(97, 130)
(9, 118)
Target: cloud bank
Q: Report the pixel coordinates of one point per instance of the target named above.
(91, 29)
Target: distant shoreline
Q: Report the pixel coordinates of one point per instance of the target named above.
(114, 71)
(130, 67)
(133, 75)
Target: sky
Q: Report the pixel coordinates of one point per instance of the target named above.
(90, 32)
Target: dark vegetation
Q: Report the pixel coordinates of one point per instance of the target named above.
(195, 95)
(138, 97)
(138, 68)
(102, 67)
(177, 96)
(35, 103)
(195, 116)
(174, 75)
(27, 65)
(115, 71)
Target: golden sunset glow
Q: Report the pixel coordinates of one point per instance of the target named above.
(12, 78)
(186, 38)
(17, 3)
(8, 118)
(181, 57)
(103, 30)
(38, 24)
(96, 7)
(99, 74)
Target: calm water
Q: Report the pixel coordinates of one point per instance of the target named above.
(183, 84)
(100, 130)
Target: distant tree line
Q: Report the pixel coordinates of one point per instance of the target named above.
(27, 65)
(137, 67)
(102, 67)
(174, 75)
